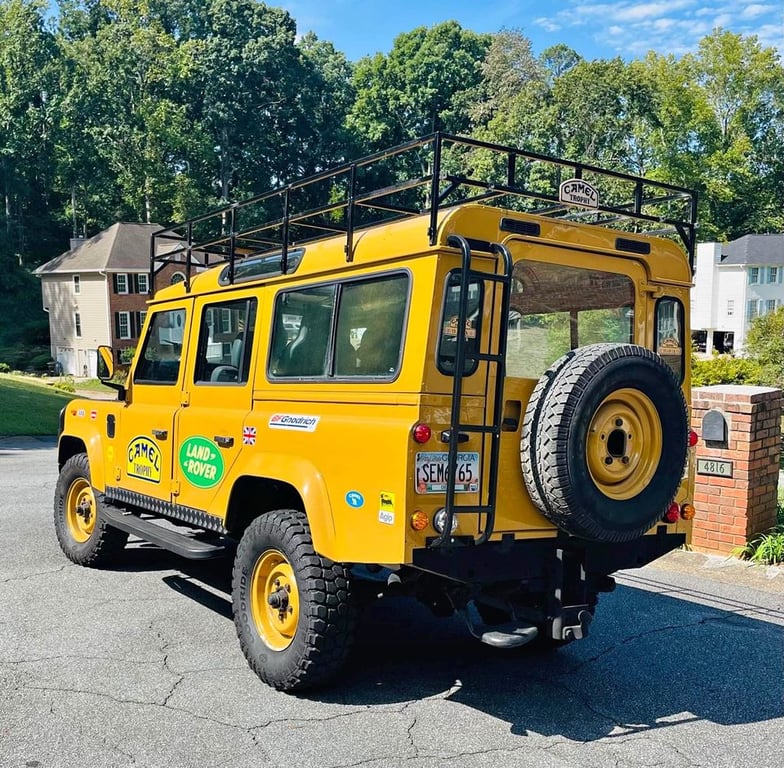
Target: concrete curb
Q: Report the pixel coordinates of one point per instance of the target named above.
(726, 569)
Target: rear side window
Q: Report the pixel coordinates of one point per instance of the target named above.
(447, 343)
(668, 341)
(352, 329)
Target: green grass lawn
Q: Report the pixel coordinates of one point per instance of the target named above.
(29, 408)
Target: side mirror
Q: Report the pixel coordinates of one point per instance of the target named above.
(106, 371)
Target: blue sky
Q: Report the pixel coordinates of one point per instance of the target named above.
(595, 29)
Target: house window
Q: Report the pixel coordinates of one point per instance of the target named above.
(770, 306)
(121, 283)
(142, 316)
(751, 310)
(753, 275)
(78, 324)
(142, 281)
(730, 307)
(773, 274)
(77, 284)
(123, 325)
(177, 277)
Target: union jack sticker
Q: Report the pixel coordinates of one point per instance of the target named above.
(249, 436)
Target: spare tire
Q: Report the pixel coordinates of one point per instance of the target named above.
(604, 441)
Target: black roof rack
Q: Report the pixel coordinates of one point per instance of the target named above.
(423, 176)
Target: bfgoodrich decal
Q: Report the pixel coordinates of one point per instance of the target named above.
(295, 421)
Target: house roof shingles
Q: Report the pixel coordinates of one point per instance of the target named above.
(122, 247)
(754, 249)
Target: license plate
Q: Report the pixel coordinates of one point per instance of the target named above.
(431, 474)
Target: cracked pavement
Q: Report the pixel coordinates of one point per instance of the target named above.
(140, 666)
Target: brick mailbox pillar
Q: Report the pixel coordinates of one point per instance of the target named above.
(739, 430)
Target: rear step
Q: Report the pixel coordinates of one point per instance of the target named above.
(183, 544)
(513, 634)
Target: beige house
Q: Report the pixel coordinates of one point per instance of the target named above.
(96, 293)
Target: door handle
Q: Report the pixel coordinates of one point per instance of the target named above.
(161, 434)
(224, 442)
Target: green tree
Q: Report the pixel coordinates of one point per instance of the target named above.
(765, 346)
(425, 84)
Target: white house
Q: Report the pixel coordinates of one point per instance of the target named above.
(734, 283)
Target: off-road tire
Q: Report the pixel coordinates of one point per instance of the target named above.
(562, 467)
(85, 538)
(313, 644)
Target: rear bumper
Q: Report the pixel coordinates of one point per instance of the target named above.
(531, 560)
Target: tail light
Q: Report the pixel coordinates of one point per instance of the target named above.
(673, 513)
(688, 511)
(419, 520)
(421, 433)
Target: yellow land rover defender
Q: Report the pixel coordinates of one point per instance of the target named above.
(455, 368)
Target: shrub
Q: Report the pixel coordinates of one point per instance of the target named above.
(65, 385)
(5, 368)
(126, 355)
(766, 548)
(725, 369)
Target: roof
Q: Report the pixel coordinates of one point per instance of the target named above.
(754, 249)
(122, 247)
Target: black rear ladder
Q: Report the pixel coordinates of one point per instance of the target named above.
(487, 489)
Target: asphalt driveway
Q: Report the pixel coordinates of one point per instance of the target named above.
(140, 666)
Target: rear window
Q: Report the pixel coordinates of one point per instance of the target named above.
(555, 308)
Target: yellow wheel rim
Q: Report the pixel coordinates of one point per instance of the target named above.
(624, 445)
(80, 510)
(274, 599)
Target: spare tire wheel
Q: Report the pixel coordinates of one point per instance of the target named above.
(606, 444)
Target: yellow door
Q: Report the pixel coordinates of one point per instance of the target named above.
(218, 389)
(143, 458)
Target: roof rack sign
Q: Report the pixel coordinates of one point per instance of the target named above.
(578, 192)
(424, 177)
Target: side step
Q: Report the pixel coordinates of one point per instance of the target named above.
(183, 544)
(510, 635)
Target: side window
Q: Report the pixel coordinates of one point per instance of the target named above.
(159, 362)
(301, 332)
(668, 341)
(345, 330)
(370, 327)
(226, 342)
(447, 344)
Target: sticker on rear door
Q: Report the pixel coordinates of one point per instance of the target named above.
(144, 460)
(431, 472)
(201, 462)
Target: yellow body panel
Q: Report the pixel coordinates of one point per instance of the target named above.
(355, 469)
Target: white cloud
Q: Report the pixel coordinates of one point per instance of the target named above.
(632, 28)
(547, 24)
(757, 9)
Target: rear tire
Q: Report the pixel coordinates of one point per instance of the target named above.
(81, 531)
(294, 611)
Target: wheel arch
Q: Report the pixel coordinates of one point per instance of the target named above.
(69, 446)
(273, 482)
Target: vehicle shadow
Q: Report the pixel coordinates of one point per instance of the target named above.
(651, 661)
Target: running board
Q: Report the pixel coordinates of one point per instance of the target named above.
(513, 634)
(183, 544)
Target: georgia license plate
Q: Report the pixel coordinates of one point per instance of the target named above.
(431, 474)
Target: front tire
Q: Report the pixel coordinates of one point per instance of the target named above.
(81, 531)
(294, 610)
